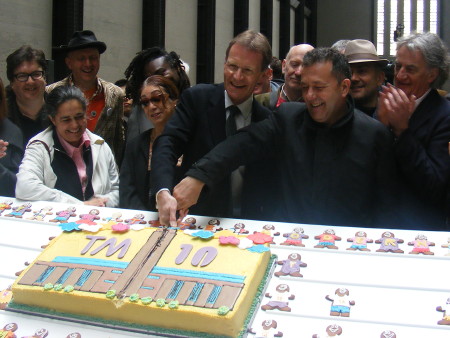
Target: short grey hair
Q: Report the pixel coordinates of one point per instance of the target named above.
(433, 50)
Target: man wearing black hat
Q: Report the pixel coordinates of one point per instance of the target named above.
(104, 99)
(367, 74)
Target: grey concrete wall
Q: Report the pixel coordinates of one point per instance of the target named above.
(181, 32)
(118, 24)
(24, 22)
(254, 14)
(224, 33)
(344, 19)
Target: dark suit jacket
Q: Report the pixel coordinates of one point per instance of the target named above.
(134, 181)
(424, 163)
(196, 127)
(338, 175)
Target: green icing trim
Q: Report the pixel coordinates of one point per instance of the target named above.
(48, 286)
(68, 288)
(110, 294)
(58, 287)
(174, 304)
(134, 297)
(146, 300)
(160, 302)
(223, 310)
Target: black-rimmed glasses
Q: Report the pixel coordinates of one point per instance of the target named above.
(23, 77)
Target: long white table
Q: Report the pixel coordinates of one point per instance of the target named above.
(392, 291)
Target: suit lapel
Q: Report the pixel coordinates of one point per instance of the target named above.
(422, 114)
(217, 116)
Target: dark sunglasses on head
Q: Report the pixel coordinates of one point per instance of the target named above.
(156, 100)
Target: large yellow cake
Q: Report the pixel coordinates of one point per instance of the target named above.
(154, 277)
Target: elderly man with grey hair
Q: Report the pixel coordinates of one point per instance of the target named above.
(420, 120)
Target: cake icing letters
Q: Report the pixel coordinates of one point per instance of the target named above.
(208, 252)
(110, 243)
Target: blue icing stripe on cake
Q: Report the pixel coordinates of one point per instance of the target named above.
(199, 274)
(64, 277)
(195, 292)
(214, 294)
(175, 290)
(84, 277)
(45, 274)
(90, 261)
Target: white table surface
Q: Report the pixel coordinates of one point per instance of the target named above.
(397, 292)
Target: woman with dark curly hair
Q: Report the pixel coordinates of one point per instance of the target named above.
(151, 61)
(158, 99)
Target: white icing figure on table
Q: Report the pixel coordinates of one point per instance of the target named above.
(20, 210)
(115, 218)
(333, 330)
(188, 223)
(389, 243)
(268, 330)
(239, 228)
(446, 310)
(6, 205)
(447, 245)
(280, 300)
(291, 266)
(340, 303)
(421, 245)
(359, 241)
(8, 330)
(295, 237)
(41, 333)
(388, 334)
(64, 215)
(74, 335)
(327, 239)
(137, 219)
(89, 218)
(39, 215)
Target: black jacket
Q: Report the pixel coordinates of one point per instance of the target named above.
(338, 175)
(197, 126)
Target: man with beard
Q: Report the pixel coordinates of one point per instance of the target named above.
(367, 74)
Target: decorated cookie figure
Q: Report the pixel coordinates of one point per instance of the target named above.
(388, 334)
(340, 305)
(8, 331)
(279, 300)
(295, 237)
(268, 330)
(188, 223)
(447, 245)
(291, 266)
(89, 218)
(64, 215)
(421, 245)
(327, 239)
(5, 298)
(269, 229)
(39, 215)
(73, 335)
(136, 219)
(389, 243)
(359, 241)
(41, 333)
(213, 226)
(20, 210)
(115, 218)
(446, 310)
(333, 330)
(6, 205)
(239, 228)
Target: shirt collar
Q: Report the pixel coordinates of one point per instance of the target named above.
(420, 99)
(70, 149)
(98, 85)
(245, 107)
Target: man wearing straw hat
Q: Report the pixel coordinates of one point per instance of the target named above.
(367, 74)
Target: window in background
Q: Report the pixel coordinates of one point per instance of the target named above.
(397, 18)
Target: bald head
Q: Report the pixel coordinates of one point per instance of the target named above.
(292, 67)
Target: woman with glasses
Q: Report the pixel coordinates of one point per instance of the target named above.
(158, 98)
(26, 70)
(66, 162)
(11, 149)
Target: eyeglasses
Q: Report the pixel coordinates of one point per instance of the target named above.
(23, 77)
